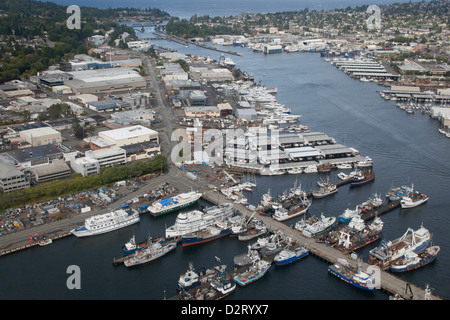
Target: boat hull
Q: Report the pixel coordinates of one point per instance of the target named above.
(291, 259)
(190, 241)
(347, 279)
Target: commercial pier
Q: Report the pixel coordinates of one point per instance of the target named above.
(389, 282)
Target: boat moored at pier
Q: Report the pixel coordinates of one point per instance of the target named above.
(171, 204)
(107, 222)
(352, 275)
(387, 252)
(412, 260)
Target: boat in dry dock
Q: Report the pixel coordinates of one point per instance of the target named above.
(412, 260)
(256, 271)
(411, 240)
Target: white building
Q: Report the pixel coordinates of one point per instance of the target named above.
(94, 160)
(130, 135)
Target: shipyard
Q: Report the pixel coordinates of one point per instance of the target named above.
(169, 160)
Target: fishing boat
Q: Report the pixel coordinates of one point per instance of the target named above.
(324, 190)
(310, 169)
(171, 204)
(362, 178)
(413, 199)
(107, 222)
(315, 226)
(352, 275)
(412, 260)
(196, 220)
(357, 234)
(325, 167)
(283, 214)
(256, 271)
(254, 230)
(276, 243)
(205, 235)
(411, 240)
(222, 284)
(287, 256)
(189, 280)
(154, 251)
(371, 204)
(131, 246)
(246, 259)
(349, 214)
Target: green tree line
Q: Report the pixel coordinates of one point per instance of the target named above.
(78, 183)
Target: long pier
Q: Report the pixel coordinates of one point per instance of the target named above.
(389, 282)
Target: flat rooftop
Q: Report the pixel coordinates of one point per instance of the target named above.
(128, 132)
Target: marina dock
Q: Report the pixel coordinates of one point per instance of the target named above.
(389, 282)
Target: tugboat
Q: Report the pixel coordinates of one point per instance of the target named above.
(287, 256)
(412, 260)
(355, 276)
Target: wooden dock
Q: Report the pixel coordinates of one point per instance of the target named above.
(388, 282)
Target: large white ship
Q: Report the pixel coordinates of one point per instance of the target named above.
(193, 221)
(107, 222)
(177, 202)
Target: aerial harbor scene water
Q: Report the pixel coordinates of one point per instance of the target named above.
(247, 150)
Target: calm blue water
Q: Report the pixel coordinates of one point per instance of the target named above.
(185, 9)
(405, 148)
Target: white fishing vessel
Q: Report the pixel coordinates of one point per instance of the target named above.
(315, 226)
(413, 199)
(153, 252)
(107, 222)
(196, 220)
